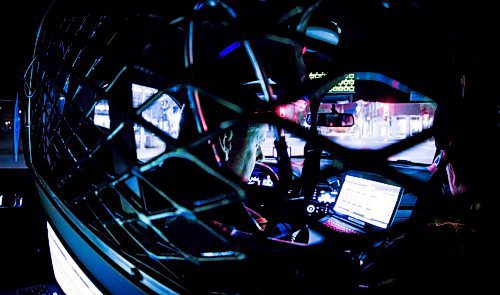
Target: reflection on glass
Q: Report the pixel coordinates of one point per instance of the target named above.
(101, 114)
(164, 113)
(147, 144)
(141, 93)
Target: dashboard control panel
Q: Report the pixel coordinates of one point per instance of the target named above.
(322, 200)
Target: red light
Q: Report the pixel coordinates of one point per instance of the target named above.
(304, 50)
(302, 104)
(282, 112)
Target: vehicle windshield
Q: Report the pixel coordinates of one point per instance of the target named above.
(376, 125)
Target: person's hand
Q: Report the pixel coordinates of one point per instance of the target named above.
(258, 218)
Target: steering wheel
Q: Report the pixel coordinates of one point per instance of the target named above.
(268, 171)
(262, 186)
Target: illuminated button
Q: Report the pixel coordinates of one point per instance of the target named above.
(338, 226)
(311, 208)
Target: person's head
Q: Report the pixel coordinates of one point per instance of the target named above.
(241, 148)
(466, 149)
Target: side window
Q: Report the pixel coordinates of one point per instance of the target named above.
(164, 113)
(101, 114)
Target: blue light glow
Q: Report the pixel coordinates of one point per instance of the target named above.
(17, 128)
(218, 254)
(62, 101)
(370, 76)
(229, 49)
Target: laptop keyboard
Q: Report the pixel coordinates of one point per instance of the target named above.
(338, 225)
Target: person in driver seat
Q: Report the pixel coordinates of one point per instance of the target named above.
(240, 148)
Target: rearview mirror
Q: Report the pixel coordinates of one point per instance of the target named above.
(333, 119)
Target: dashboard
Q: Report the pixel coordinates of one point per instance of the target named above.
(356, 200)
(362, 201)
(264, 175)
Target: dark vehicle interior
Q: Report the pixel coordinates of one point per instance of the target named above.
(193, 149)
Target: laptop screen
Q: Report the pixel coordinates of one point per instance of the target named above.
(370, 201)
